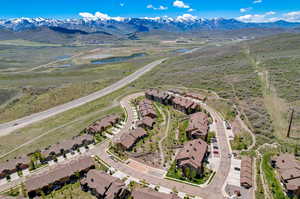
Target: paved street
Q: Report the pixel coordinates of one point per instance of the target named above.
(215, 190)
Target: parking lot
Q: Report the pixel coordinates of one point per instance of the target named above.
(234, 173)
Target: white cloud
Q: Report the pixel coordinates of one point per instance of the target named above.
(191, 10)
(152, 18)
(87, 16)
(257, 1)
(150, 6)
(292, 16)
(266, 17)
(242, 10)
(186, 18)
(180, 4)
(98, 16)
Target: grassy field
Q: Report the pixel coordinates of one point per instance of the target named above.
(239, 72)
(241, 141)
(19, 42)
(44, 91)
(234, 72)
(62, 126)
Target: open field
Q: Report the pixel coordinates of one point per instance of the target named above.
(233, 71)
(62, 126)
(20, 42)
(49, 76)
(227, 70)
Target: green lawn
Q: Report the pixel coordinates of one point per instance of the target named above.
(70, 191)
(177, 174)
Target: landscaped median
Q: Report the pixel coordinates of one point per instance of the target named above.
(189, 176)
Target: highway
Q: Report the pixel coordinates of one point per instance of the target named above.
(7, 128)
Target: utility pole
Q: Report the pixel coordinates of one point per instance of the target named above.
(290, 123)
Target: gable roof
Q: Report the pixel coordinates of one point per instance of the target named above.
(198, 123)
(246, 170)
(58, 172)
(128, 139)
(157, 93)
(192, 153)
(289, 170)
(183, 102)
(103, 123)
(104, 183)
(67, 144)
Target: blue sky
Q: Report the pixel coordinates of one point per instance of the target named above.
(247, 10)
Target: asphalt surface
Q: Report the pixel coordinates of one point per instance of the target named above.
(214, 190)
(7, 128)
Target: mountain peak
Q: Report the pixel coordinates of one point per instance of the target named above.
(99, 21)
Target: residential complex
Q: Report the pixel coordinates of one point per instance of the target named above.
(103, 185)
(289, 172)
(246, 178)
(198, 126)
(192, 156)
(67, 147)
(130, 138)
(58, 176)
(103, 124)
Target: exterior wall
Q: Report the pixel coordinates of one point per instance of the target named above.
(196, 136)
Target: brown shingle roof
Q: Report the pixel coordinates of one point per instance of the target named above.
(148, 121)
(157, 93)
(57, 173)
(192, 153)
(146, 108)
(246, 170)
(103, 183)
(146, 193)
(289, 170)
(128, 139)
(67, 144)
(183, 102)
(198, 124)
(103, 123)
(195, 96)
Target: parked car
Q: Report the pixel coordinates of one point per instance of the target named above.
(216, 147)
(227, 124)
(237, 168)
(216, 152)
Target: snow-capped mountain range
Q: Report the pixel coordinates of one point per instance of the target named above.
(96, 23)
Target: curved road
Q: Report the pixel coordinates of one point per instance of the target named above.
(214, 190)
(7, 128)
